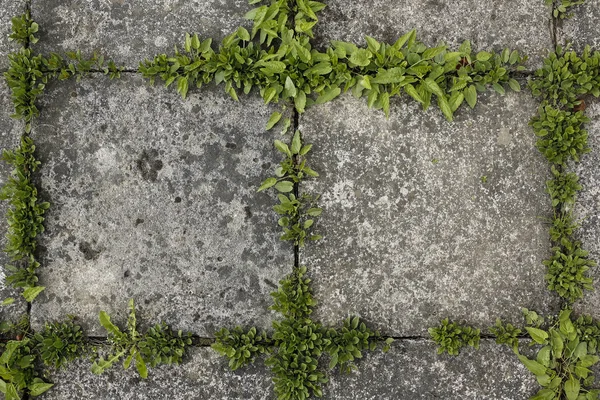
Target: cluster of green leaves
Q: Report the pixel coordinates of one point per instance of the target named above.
(561, 134)
(298, 213)
(567, 270)
(562, 365)
(29, 73)
(560, 8)
(284, 66)
(451, 337)
(298, 342)
(25, 218)
(506, 334)
(563, 188)
(160, 345)
(60, 343)
(17, 370)
(563, 226)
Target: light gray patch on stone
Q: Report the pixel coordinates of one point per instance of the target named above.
(412, 234)
(203, 375)
(8, 10)
(413, 370)
(582, 28)
(587, 207)
(520, 24)
(10, 133)
(130, 31)
(154, 201)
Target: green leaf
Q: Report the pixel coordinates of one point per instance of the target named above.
(412, 92)
(432, 86)
(8, 301)
(141, 365)
(538, 335)
(296, 143)
(243, 34)
(471, 95)
(300, 101)
(290, 87)
(284, 186)
(282, 147)
(361, 57)
(334, 361)
(483, 56)
(572, 387)
(269, 182)
(514, 85)
(108, 325)
(36, 389)
(498, 88)
(535, 367)
(328, 95)
(373, 44)
(182, 86)
(32, 292)
(445, 107)
(274, 119)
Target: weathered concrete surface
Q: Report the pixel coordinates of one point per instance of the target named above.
(587, 207)
(519, 24)
(154, 198)
(412, 233)
(413, 370)
(10, 132)
(8, 9)
(204, 375)
(130, 31)
(582, 29)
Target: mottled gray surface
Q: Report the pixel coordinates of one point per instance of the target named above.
(10, 132)
(203, 376)
(154, 198)
(129, 31)
(8, 9)
(413, 370)
(412, 234)
(519, 24)
(587, 207)
(582, 28)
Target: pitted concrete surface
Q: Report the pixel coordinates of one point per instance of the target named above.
(582, 28)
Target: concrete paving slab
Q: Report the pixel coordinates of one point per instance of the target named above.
(425, 218)
(582, 28)
(154, 198)
(129, 31)
(587, 207)
(413, 370)
(519, 24)
(10, 133)
(204, 375)
(8, 9)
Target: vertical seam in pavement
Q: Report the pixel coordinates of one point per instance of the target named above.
(553, 26)
(295, 123)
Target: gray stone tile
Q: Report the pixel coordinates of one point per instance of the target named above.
(204, 375)
(154, 198)
(587, 207)
(582, 28)
(413, 370)
(10, 132)
(130, 31)
(412, 234)
(8, 9)
(519, 24)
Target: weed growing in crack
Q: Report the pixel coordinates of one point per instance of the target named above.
(451, 337)
(560, 8)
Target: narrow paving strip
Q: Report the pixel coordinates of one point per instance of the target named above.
(582, 29)
(521, 24)
(426, 219)
(8, 9)
(203, 376)
(587, 207)
(155, 199)
(10, 132)
(131, 31)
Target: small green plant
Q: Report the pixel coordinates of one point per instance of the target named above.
(60, 343)
(560, 8)
(298, 342)
(506, 334)
(562, 365)
(17, 370)
(561, 134)
(588, 331)
(451, 337)
(567, 270)
(563, 188)
(158, 346)
(562, 226)
(298, 213)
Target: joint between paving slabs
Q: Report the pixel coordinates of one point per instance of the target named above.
(295, 124)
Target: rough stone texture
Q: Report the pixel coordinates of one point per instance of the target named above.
(413, 370)
(412, 234)
(8, 9)
(519, 24)
(130, 31)
(205, 375)
(10, 131)
(582, 28)
(587, 207)
(154, 198)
